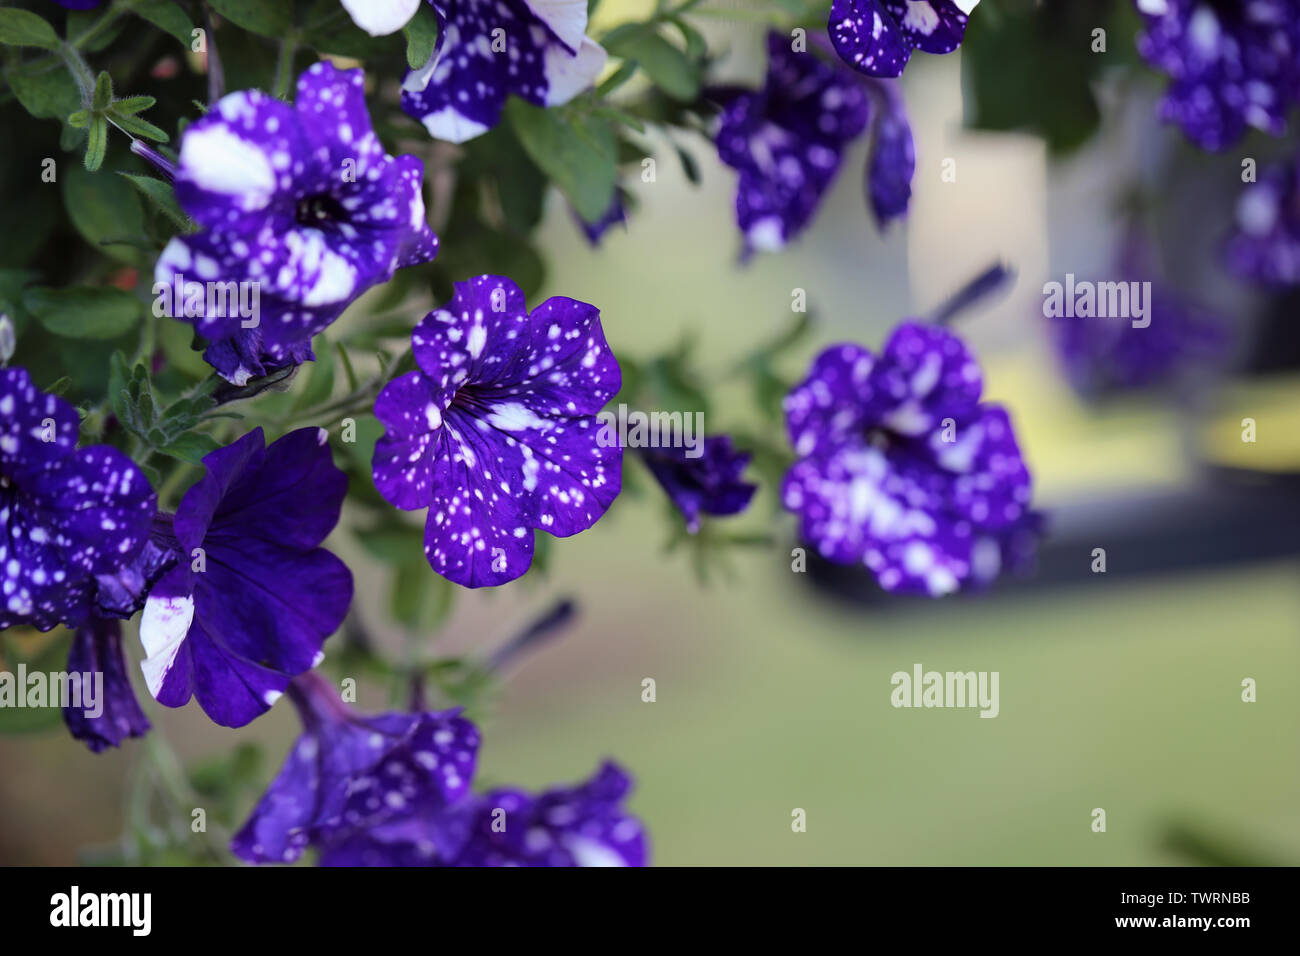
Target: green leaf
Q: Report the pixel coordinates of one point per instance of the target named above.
(103, 208)
(82, 312)
(269, 18)
(576, 152)
(23, 28)
(421, 36)
(169, 18)
(190, 447)
(79, 119)
(666, 65)
(161, 196)
(96, 143)
(103, 96)
(47, 92)
(133, 104)
(320, 384)
(138, 127)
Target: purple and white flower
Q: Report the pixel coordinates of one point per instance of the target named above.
(877, 37)
(710, 484)
(67, 515)
(488, 50)
(253, 596)
(786, 141)
(299, 203)
(97, 649)
(580, 825)
(1266, 244)
(349, 774)
(893, 157)
(496, 433)
(903, 469)
(1232, 65)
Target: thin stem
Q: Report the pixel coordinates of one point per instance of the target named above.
(284, 66)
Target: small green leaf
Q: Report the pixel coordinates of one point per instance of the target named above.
(79, 119)
(138, 127)
(96, 143)
(82, 312)
(103, 96)
(421, 36)
(576, 152)
(23, 28)
(320, 383)
(191, 447)
(133, 104)
(269, 18)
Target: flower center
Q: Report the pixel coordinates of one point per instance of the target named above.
(319, 210)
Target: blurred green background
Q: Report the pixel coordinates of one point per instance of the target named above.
(1119, 694)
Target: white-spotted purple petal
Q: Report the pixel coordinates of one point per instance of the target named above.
(253, 597)
(489, 50)
(497, 434)
(877, 37)
(67, 515)
(303, 211)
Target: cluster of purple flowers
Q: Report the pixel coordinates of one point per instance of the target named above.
(494, 434)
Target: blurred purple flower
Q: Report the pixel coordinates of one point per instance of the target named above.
(1232, 64)
(1266, 244)
(97, 650)
(903, 469)
(709, 484)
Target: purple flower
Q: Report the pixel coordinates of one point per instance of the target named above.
(1266, 245)
(97, 650)
(708, 484)
(1231, 64)
(253, 597)
(496, 433)
(490, 49)
(78, 4)
(1107, 355)
(303, 211)
(877, 37)
(580, 825)
(786, 141)
(350, 774)
(903, 469)
(67, 515)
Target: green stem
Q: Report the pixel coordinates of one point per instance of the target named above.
(284, 66)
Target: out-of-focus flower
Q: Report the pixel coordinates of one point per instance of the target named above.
(786, 141)
(1232, 65)
(903, 469)
(708, 484)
